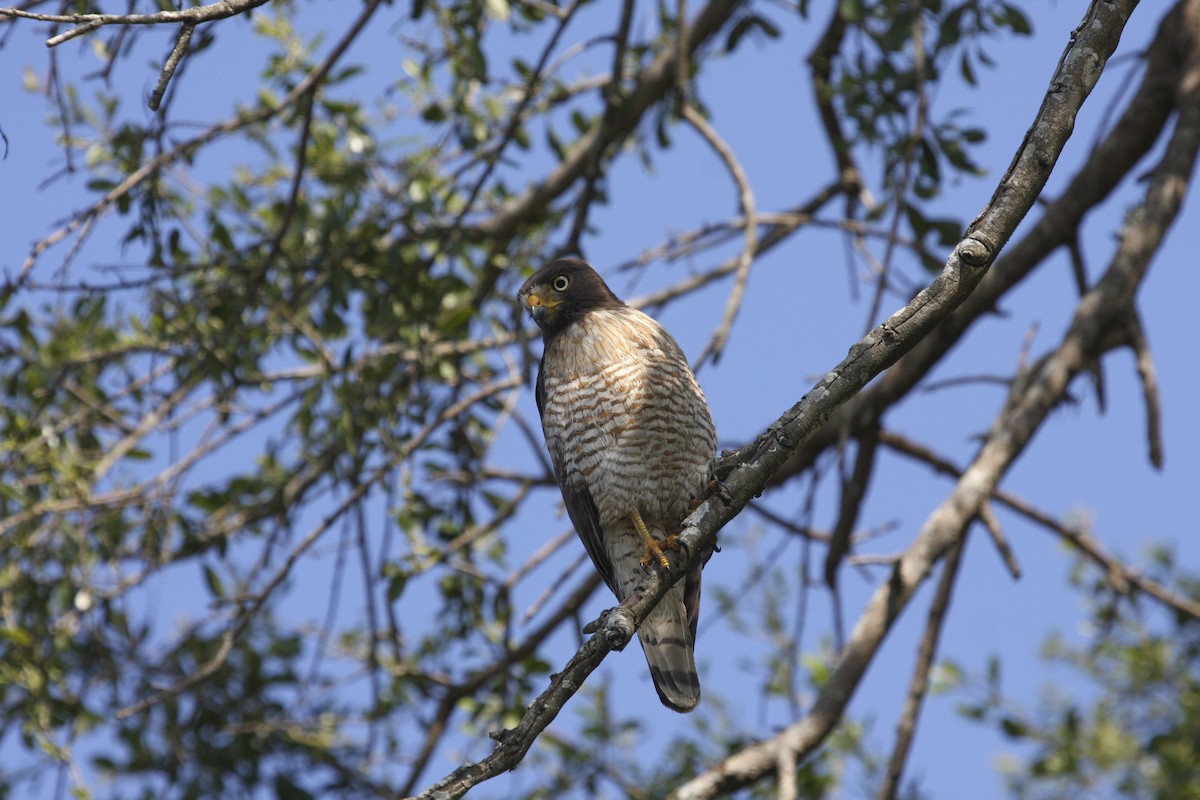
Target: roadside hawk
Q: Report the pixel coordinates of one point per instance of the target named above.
(631, 441)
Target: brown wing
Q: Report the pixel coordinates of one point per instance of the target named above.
(581, 508)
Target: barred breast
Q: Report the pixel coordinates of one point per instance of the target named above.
(626, 418)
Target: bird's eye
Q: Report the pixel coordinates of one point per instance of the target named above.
(560, 283)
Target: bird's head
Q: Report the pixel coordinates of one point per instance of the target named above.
(562, 292)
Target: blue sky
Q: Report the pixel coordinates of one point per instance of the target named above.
(798, 321)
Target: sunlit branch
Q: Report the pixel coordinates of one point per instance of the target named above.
(745, 258)
(89, 22)
(1119, 574)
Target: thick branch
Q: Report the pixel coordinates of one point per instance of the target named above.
(1108, 303)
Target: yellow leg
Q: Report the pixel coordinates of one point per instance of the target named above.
(654, 548)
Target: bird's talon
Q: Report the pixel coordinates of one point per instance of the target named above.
(655, 552)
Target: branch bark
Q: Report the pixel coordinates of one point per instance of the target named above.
(85, 23)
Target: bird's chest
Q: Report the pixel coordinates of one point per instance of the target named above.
(617, 415)
(593, 409)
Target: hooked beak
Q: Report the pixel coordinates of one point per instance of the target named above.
(538, 303)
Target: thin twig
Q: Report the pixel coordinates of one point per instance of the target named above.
(1148, 376)
(919, 685)
(988, 517)
(745, 258)
(182, 150)
(168, 70)
(917, 11)
(207, 669)
(613, 97)
(85, 23)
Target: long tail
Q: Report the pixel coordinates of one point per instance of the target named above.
(667, 641)
(667, 635)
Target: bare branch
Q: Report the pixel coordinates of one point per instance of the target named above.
(651, 84)
(1120, 575)
(919, 685)
(1150, 392)
(1093, 43)
(750, 238)
(778, 233)
(85, 23)
(172, 63)
(820, 61)
(988, 517)
(913, 140)
(457, 692)
(786, 775)
(1135, 133)
(613, 98)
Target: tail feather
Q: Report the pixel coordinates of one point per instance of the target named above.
(668, 633)
(667, 641)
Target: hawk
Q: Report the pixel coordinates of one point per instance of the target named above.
(632, 442)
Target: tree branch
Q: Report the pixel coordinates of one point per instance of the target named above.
(1120, 575)
(745, 472)
(919, 685)
(745, 258)
(183, 150)
(85, 23)
(652, 84)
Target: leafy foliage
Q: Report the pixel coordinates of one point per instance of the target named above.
(1139, 735)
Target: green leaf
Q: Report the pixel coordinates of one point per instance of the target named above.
(213, 581)
(18, 636)
(966, 70)
(396, 584)
(1014, 19)
(747, 24)
(1014, 728)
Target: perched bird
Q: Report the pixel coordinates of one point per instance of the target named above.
(632, 442)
